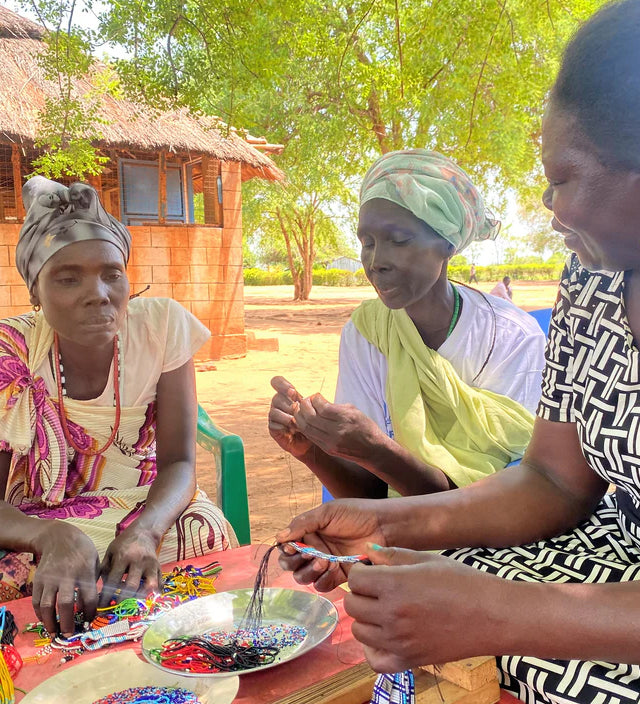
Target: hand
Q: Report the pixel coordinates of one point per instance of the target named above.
(460, 609)
(132, 553)
(282, 425)
(341, 430)
(340, 527)
(68, 560)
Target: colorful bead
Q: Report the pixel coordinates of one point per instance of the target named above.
(150, 695)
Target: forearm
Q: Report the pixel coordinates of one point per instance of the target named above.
(170, 493)
(565, 621)
(342, 478)
(19, 533)
(513, 507)
(398, 468)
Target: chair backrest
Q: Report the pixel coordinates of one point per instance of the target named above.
(231, 476)
(543, 316)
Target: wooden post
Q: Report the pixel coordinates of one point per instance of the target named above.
(95, 180)
(212, 206)
(17, 181)
(162, 188)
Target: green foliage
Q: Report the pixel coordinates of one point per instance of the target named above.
(321, 277)
(458, 260)
(550, 271)
(70, 122)
(259, 277)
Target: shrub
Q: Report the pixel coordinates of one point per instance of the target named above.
(522, 272)
(339, 277)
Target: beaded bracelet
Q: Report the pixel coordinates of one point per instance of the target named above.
(314, 552)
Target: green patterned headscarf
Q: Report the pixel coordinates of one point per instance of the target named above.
(435, 190)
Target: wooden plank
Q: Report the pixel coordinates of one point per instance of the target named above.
(352, 686)
(432, 690)
(469, 674)
(16, 162)
(162, 188)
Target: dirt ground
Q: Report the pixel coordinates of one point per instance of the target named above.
(237, 393)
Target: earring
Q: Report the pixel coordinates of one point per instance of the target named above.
(36, 307)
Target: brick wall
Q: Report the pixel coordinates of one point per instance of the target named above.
(199, 266)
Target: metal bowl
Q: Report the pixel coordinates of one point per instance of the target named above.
(224, 612)
(93, 679)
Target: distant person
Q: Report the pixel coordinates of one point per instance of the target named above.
(473, 279)
(503, 289)
(419, 364)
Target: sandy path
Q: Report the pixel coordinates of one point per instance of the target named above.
(237, 393)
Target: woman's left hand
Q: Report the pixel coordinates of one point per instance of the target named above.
(340, 429)
(132, 553)
(423, 609)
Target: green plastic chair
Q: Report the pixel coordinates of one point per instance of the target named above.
(228, 452)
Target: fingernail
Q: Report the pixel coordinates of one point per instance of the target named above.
(375, 546)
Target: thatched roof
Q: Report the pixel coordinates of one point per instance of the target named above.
(13, 26)
(24, 88)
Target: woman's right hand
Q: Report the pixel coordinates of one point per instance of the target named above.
(282, 425)
(340, 527)
(68, 560)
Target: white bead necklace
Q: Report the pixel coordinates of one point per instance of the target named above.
(119, 362)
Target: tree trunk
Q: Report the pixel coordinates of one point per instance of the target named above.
(295, 274)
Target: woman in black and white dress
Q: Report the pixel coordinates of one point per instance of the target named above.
(563, 608)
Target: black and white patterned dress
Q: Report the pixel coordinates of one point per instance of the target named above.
(592, 378)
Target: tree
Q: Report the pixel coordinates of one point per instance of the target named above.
(70, 123)
(346, 80)
(541, 238)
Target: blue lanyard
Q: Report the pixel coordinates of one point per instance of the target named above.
(394, 689)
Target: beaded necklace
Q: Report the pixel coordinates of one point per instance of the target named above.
(62, 392)
(456, 310)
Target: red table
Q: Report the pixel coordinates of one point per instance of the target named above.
(239, 567)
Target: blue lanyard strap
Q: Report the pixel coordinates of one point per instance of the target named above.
(394, 689)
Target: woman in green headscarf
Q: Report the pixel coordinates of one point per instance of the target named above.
(437, 381)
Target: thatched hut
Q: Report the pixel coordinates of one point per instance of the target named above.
(158, 161)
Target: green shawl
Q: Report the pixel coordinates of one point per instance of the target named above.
(466, 432)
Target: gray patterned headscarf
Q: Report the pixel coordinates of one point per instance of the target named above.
(58, 216)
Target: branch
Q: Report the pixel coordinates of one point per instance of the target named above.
(399, 43)
(352, 38)
(513, 36)
(447, 61)
(549, 14)
(174, 72)
(482, 68)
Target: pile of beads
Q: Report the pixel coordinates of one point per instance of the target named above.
(190, 582)
(180, 585)
(201, 655)
(128, 619)
(150, 695)
(223, 651)
(279, 635)
(10, 660)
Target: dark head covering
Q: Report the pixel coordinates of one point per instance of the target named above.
(58, 216)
